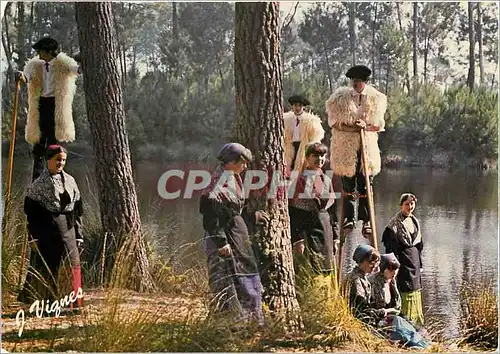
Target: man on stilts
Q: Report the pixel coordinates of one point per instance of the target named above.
(301, 129)
(50, 77)
(350, 109)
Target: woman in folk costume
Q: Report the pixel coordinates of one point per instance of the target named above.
(301, 129)
(233, 273)
(51, 80)
(385, 295)
(358, 287)
(53, 207)
(351, 109)
(365, 306)
(312, 215)
(402, 236)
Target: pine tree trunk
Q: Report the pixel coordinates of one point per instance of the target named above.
(387, 76)
(472, 62)
(480, 42)
(21, 47)
(407, 78)
(426, 56)
(175, 31)
(104, 100)
(352, 31)
(259, 107)
(374, 47)
(415, 48)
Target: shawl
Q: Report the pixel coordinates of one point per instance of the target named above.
(43, 191)
(313, 193)
(225, 187)
(378, 283)
(403, 235)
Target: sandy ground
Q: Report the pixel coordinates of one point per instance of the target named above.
(43, 332)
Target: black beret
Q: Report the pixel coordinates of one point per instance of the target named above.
(233, 151)
(48, 44)
(360, 72)
(299, 99)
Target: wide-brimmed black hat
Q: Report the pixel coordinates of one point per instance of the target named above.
(360, 72)
(299, 99)
(47, 44)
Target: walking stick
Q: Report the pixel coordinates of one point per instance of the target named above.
(10, 168)
(369, 190)
(11, 150)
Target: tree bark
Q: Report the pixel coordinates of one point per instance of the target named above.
(472, 62)
(480, 42)
(426, 56)
(32, 21)
(175, 26)
(352, 31)
(21, 50)
(329, 70)
(104, 100)
(407, 77)
(374, 47)
(7, 47)
(259, 109)
(387, 75)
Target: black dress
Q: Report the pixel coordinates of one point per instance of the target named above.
(55, 234)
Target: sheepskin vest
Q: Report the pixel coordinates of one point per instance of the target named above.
(310, 130)
(64, 90)
(345, 145)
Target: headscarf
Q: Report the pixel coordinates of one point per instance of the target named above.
(361, 251)
(405, 196)
(388, 260)
(43, 191)
(225, 186)
(232, 152)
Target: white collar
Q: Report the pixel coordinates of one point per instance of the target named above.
(354, 93)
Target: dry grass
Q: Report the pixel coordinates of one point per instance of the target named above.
(328, 320)
(480, 322)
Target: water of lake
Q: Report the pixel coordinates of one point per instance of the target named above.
(458, 212)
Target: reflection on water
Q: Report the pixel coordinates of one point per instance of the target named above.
(458, 212)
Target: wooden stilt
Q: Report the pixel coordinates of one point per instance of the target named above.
(342, 235)
(369, 191)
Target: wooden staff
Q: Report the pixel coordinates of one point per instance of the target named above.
(10, 169)
(11, 150)
(369, 190)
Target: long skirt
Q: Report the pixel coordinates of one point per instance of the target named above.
(396, 328)
(239, 294)
(411, 307)
(53, 249)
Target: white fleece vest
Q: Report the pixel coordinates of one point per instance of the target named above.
(64, 91)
